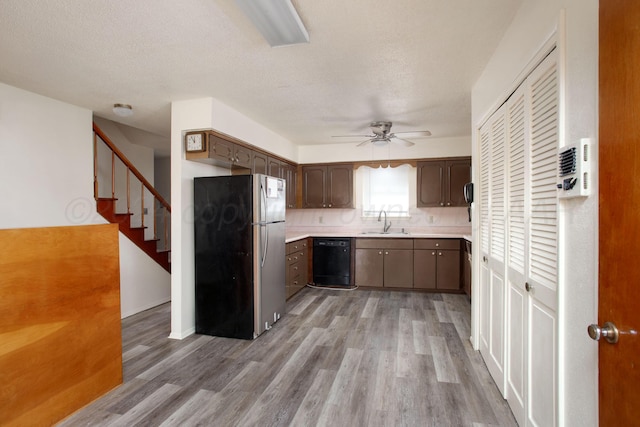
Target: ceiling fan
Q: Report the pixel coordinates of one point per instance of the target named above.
(381, 135)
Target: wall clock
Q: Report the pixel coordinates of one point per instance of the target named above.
(195, 142)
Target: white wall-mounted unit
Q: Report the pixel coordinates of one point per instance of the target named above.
(574, 170)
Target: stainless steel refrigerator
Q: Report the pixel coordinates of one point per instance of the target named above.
(239, 254)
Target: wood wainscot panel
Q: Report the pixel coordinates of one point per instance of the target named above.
(60, 328)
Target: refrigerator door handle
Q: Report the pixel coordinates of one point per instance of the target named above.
(263, 219)
(266, 246)
(263, 205)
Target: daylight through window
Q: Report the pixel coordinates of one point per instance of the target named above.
(385, 189)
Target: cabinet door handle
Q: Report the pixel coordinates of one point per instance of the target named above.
(386, 253)
(441, 204)
(433, 253)
(448, 203)
(437, 245)
(329, 204)
(324, 206)
(380, 253)
(439, 253)
(295, 268)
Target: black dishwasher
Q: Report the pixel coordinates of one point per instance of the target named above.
(332, 261)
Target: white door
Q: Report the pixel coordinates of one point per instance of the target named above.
(542, 273)
(519, 246)
(492, 238)
(517, 237)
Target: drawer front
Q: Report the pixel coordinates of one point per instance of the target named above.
(296, 246)
(293, 257)
(384, 243)
(294, 271)
(437, 244)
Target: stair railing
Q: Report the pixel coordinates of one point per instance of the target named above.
(159, 203)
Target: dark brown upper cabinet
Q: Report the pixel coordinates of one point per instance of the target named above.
(441, 182)
(259, 163)
(273, 165)
(290, 174)
(327, 186)
(227, 153)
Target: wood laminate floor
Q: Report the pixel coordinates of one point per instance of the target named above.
(338, 358)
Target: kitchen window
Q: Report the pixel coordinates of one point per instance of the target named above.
(386, 189)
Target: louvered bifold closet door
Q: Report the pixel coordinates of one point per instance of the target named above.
(518, 236)
(542, 277)
(517, 205)
(492, 223)
(482, 198)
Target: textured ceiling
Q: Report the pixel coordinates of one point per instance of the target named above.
(412, 62)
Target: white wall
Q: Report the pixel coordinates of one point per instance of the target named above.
(533, 25)
(205, 113)
(193, 114)
(46, 162)
(424, 148)
(46, 179)
(144, 283)
(162, 176)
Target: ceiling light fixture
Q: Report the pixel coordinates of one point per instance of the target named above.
(122, 110)
(277, 21)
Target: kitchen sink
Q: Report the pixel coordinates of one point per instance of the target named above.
(387, 233)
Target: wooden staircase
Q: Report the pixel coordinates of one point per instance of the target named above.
(107, 208)
(108, 155)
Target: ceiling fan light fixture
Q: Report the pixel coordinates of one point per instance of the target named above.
(277, 20)
(381, 135)
(122, 110)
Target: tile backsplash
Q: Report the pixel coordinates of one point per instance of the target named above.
(421, 220)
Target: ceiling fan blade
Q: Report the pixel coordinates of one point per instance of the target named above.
(363, 142)
(352, 136)
(404, 142)
(414, 134)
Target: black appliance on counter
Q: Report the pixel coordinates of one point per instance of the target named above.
(468, 196)
(332, 261)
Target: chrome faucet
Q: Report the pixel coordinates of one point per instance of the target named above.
(386, 226)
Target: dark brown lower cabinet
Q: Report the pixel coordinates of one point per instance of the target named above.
(448, 270)
(369, 267)
(466, 268)
(297, 266)
(398, 268)
(384, 263)
(436, 264)
(424, 268)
